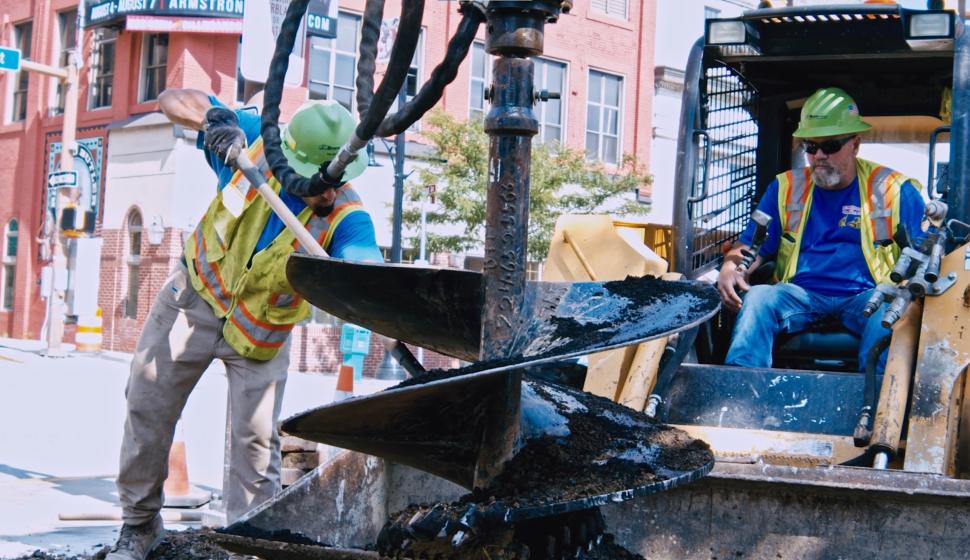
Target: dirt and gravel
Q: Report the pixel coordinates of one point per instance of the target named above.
(190, 544)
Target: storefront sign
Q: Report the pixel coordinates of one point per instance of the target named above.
(153, 24)
(100, 12)
(321, 19)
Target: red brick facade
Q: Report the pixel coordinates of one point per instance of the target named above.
(583, 40)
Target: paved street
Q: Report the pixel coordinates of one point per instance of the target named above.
(60, 432)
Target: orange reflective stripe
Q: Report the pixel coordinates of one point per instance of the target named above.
(255, 342)
(249, 316)
(218, 293)
(336, 217)
(791, 183)
(258, 333)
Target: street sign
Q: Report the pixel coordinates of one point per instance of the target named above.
(9, 59)
(62, 180)
(59, 180)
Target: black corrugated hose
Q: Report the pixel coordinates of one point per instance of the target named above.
(403, 51)
(441, 76)
(370, 33)
(409, 31)
(293, 182)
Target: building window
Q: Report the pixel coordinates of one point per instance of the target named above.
(9, 264)
(550, 76)
(133, 260)
(66, 42)
(22, 33)
(603, 117)
(481, 78)
(711, 13)
(333, 63)
(154, 63)
(102, 68)
(615, 8)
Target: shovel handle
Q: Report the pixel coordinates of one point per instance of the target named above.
(244, 164)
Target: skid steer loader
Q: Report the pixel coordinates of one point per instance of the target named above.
(815, 460)
(795, 477)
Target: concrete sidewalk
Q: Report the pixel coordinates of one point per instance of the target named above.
(61, 423)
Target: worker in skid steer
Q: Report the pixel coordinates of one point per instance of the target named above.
(229, 299)
(832, 227)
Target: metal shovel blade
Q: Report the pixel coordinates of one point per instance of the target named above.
(441, 309)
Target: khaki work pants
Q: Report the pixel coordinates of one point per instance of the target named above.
(180, 340)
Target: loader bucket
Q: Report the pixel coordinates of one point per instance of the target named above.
(574, 451)
(441, 309)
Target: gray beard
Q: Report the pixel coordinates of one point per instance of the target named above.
(826, 177)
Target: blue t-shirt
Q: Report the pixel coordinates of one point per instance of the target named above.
(354, 239)
(830, 259)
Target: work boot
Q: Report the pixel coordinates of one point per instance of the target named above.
(136, 541)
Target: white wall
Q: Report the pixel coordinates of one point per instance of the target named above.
(162, 175)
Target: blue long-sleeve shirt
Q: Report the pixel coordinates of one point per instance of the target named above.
(354, 238)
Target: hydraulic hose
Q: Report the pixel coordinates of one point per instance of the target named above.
(441, 76)
(370, 33)
(401, 55)
(293, 182)
(409, 31)
(863, 430)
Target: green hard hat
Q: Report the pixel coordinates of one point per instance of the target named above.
(830, 112)
(314, 136)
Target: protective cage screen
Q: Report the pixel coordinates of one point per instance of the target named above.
(719, 212)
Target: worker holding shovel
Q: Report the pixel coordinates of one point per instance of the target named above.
(229, 299)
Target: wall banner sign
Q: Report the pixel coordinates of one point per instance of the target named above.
(103, 12)
(209, 26)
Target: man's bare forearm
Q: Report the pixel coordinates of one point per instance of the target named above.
(734, 256)
(185, 107)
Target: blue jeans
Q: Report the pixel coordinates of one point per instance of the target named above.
(787, 308)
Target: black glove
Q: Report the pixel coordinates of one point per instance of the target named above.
(223, 136)
(320, 182)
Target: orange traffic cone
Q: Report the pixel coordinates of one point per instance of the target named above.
(178, 491)
(345, 383)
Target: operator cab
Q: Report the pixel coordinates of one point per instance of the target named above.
(745, 84)
(746, 105)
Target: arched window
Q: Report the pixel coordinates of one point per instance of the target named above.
(9, 263)
(133, 260)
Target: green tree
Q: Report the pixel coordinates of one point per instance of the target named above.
(563, 182)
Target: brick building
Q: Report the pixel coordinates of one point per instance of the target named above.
(148, 183)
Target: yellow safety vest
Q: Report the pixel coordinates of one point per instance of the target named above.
(254, 296)
(879, 194)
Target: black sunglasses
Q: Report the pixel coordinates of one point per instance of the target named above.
(828, 147)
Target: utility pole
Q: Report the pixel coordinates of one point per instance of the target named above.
(389, 367)
(402, 98)
(55, 300)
